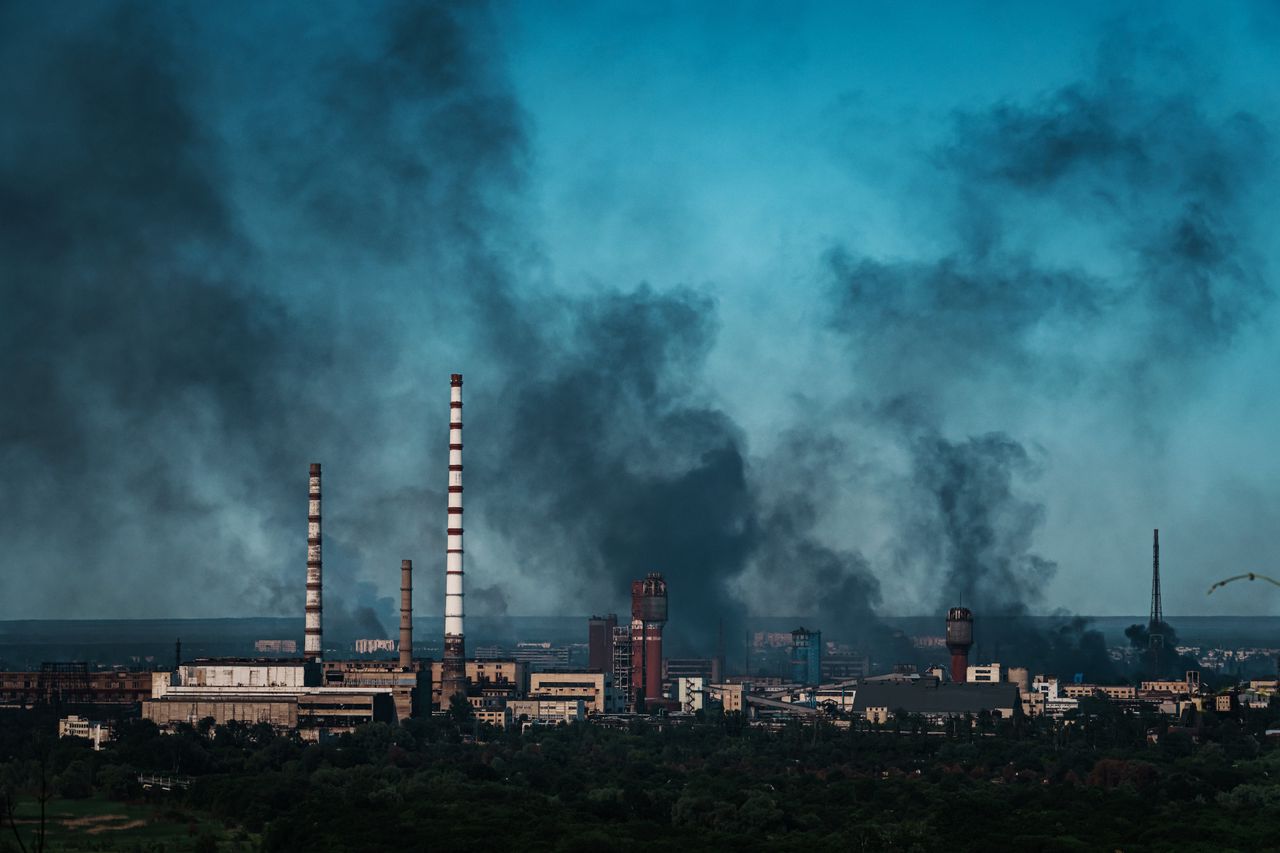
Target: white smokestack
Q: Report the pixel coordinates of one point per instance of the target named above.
(312, 644)
(453, 671)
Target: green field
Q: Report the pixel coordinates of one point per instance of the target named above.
(97, 824)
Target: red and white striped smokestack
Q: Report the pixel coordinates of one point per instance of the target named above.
(406, 614)
(312, 642)
(454, 668)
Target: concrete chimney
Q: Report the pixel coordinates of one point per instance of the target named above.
(406, 614)
(453, 680)
(312, 644)
(959, 641)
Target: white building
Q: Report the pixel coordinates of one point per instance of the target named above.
(691, 693)
(595, 689)
(73, 726)
(1055, 705)
(984, 674)
(547, 710)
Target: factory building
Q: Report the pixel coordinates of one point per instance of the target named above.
(373, 645)
(648, 617)
(314, 696)
(408, 686)
(600, 642)
(843, 667)
(984, 674)
(806, 656)
(1112, 692)
(732, 697)
(1049, 700)
(674, 669)
(408, 680)
(691, 693)
(934, 699)
(73, 684)
(547, 710)
(595, 689)
(488, 679)
(540, 656)
(286, 696)
(500, 717)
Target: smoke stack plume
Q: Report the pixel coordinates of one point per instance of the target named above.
(406, 614)
(312, 643)
(454, 670)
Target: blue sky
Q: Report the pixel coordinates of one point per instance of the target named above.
(968, 297)
(730, 147)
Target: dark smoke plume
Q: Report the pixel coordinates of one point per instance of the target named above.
(221, 263)
(990, 326)
(179, 365)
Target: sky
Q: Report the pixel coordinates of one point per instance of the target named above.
(837, 310)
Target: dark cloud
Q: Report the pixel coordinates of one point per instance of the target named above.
(1171, 178)
(1162, 186)
(195, 306)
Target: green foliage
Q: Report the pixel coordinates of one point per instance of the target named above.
(1092, 783)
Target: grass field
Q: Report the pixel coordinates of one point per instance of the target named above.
(96, 824)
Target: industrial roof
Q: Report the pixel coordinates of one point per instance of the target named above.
(929, 696)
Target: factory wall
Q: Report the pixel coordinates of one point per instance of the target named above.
(595, 689)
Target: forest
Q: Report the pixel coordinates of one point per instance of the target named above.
(1102, 779)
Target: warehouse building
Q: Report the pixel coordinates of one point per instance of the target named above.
(595, 689)
(934, 699)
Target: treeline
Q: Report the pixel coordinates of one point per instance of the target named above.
(1094, 783)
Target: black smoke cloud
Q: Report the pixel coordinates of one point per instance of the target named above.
(199, 299)
(196, 314)
(992, 325)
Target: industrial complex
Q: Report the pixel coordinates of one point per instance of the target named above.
(626, 671)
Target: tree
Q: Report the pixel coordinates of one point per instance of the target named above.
(460, 710)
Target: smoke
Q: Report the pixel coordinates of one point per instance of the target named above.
(1104, 218)
(180, 367)
(223, 262)
(613, 463)
(981, 529)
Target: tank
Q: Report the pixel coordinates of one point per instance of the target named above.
(959, 628)
(649, 598)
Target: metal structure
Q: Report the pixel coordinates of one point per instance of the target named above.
(1155, 625)
(312, 645)
(406, 614)
(454, 671)
(622, 665)
(648, 616)
(959, 641)
(64, 683)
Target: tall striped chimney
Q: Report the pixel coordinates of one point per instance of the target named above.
(406, 614)
(453, 680)
(312, 643)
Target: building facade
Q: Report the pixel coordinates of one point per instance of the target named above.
(594, 689)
